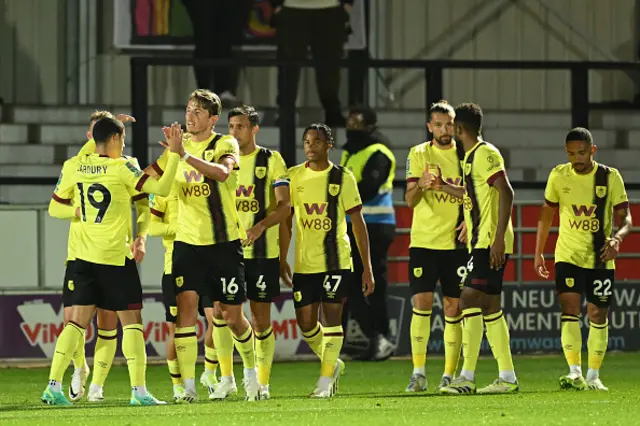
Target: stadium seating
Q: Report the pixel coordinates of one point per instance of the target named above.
(35, 141)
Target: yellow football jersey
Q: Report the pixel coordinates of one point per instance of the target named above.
(482, 165)
(437, 214)
(208, 213)
(68, 169)
(321, 200)
(260, 173)
(104, 188)
(586, 203)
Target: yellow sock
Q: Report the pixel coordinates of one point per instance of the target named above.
(571, 339)
(105, 351)
(420, 331)
(314, 339)
(223, 339)
(499, 340)
(332, 338)
(265, 349)
(186, 343)
(597, 344)
(79, 359)
(134, 350)
(210, 359)
(452, 344)
(174, 371)
(65, 346)
(245, 344)
(472, 331)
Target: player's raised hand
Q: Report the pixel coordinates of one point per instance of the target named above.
(426, 180)
(174, 139)
(125, 118)
(139, 250)
(462, 236)
(285, 273)
(610, 249)
(540, 267)
(497, 253)
(166, 131)
(368, 283)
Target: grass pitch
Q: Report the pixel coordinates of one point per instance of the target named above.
(370, 394)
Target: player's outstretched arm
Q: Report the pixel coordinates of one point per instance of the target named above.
(454, 190)
(61, 204)
(544, 225)
(141, 182)
(61, 209)
(161, 186)
(277, 216)
(362, 240)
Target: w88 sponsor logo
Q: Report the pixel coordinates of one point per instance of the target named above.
(245, 205)
(198, 190)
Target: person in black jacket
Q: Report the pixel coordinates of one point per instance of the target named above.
(218, 25)
(323, 27)
(368, 155)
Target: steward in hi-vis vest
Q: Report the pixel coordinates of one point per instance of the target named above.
(368, 156)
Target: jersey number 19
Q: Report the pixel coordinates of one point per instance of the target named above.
(101, 205)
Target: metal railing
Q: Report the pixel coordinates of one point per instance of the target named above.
(433, 71)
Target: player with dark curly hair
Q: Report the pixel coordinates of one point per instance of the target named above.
(322, 195)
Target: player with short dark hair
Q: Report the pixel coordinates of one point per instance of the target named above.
(437, 251)
(105, 271)
(589, 196)
(207, 253)
(488, 200)
(322, 195)
(263, 202)
(106, 342)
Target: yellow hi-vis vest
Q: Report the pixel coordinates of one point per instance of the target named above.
(380, 208)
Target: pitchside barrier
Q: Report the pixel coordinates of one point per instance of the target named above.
(33, 267)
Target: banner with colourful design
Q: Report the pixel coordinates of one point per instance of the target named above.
(165, 25)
